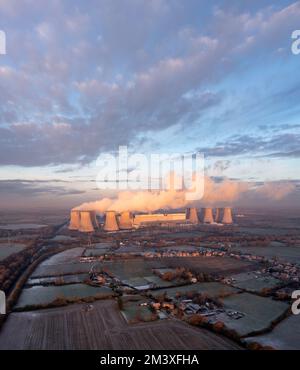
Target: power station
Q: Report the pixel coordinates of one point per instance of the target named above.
(192, 215)
(74, 220)
(208, 216)
(125, 221)
(86, 221)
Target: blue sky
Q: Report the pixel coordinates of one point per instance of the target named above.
(81, 78)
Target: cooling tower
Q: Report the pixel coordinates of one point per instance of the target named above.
(94, 219)
(74, 220)
(125, 221)
(111, 221)
(193, 216)
(227, 216)
(86, 223)
(208, 216)
(218, 215)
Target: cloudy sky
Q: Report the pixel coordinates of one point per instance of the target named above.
(81, 78)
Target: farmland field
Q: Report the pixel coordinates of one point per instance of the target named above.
(285, 336)
(6, 249)
(61, 269)
(212, 290)
(217, 266)
(42, 295)
(132, 268)
(21, 226)
(255, 283)
(68, 256)
(285, 254)
(64, 279)
(104, 328)
(259, 313)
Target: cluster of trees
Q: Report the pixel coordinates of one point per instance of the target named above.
(15, 264)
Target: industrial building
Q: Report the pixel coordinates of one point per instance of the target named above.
(125, 221)
(192, 215)
(227, 216)
(86, 221)
(157, 218)
(74, 220)
(208, 216)
(111, 223)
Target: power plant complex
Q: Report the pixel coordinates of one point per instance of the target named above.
(86, 221)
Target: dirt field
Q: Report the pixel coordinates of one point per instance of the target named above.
(103, 327)
(218, 266)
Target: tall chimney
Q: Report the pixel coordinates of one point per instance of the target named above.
(218, 215)
(86, 223)
(74, 220)
(208, 216)
(227, 216)
(192, 215)
(94, 219)
(125, 221)
(111, 221)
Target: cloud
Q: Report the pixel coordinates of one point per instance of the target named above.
(217, 192)
(255, 146)
(277, 190)
(29, 188)
(82, 79)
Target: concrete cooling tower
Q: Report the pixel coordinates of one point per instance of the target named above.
(74, 220)
(208, 216)
(227, 216)
(94, 219)
(218, 215)
(192, 215)
(125, 221)
(86, 222)
(111, 223)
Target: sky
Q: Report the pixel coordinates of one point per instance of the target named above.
(81, 78)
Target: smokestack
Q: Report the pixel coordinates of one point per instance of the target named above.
(192, 215)
(74, 220)
(227, 216)
(208, 216)
(125, 221)
(111, 221)
(218, 215)
(94, 219)
(86, 223)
